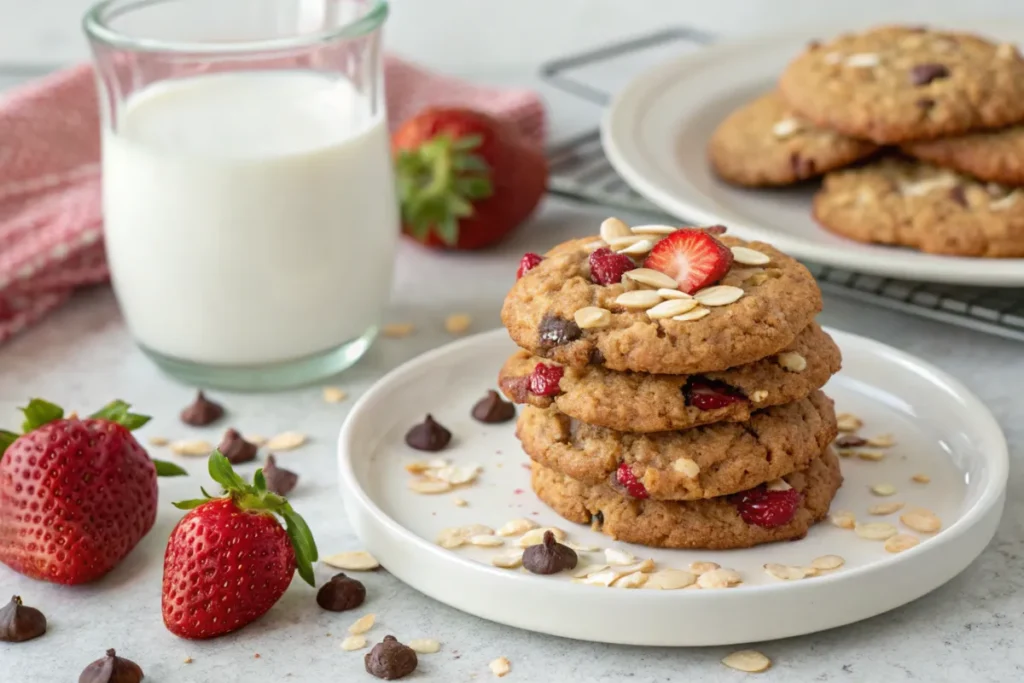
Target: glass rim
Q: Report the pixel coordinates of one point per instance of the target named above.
(96, 28)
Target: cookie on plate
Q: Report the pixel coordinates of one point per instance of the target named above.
(638, 402)
(703, 462)
(714, 524)
(764, 143)
(895, 84)
(756, 309)
(912, 204)
(996, 156)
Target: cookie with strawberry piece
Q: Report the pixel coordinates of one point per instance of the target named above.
(660, 299)
(785, 511)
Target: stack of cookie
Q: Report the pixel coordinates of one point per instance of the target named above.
(934, 119)
(672, 382)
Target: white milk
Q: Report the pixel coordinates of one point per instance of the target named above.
(250, 217)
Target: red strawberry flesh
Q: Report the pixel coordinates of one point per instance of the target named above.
(693, 257)
(624, 475)
(768, 509)
(607, 267)
(705, 394)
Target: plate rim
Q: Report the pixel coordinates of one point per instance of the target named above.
(889, 261)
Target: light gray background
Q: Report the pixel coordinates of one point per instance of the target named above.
(968, 630)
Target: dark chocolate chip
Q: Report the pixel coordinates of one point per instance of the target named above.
(19, 623)
(390, 659)
(492, 409)
(715, 229)
(599, 517)
(549, 557)
(850, 441)
(814, 45)
(923, 74)
(279, 480)
(341, 593)
(555, 331)
(236, 449)
(956, 193)
(428, 435)
(202, 412)
(111, 669)
(596, 357)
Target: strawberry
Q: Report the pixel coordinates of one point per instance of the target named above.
(229, 559)
(75, 495)
(465, 179)
(692, 256)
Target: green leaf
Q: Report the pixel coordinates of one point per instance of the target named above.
(168, 469)
(222, 473)
(448, 230)
(470, 163)
(6, 439)
(459, 206)
(474, 187)
(302, 542)
(190, 504)
(467, 143)
(39, 412)
(259, 481)
(117, 411)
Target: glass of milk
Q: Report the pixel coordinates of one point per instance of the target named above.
(248, 198)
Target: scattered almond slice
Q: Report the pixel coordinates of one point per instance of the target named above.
(616, 557)
(695, 314)
(424, 646)
(429, 486)
(875, 531)
(191, 447)
(843, 519)
(516, 527)
(792, 361)
(508, 560)
(881, 441)
(671, 308)
(580, 548)
(651, 278)
(286, 441)
(921, 520)
(456, 475)
(670, 579)
(362, 624)
(873, 456)
(500, 666)
(334, 394)
(719, 578)
(667, 293)
(397, 330)
(592, 317)
(457, 323)
(846, 452)
(718, 295)
(647, 566)
(785, 572)
(747, 661)
(352, 560)
(749, 257)
(633, 580)
(885, 508)
(535, 536)
(158, 441)
(585, 571)
(686, 467)
(699, 568)
(602, 578)
(614, 227)
(638, 299)
(828, 562)
(486, 541)
(883, 489)
(900, 542)
(257, 439)
(353, 643)
(459, 502)
(921, 478)
(848, 422)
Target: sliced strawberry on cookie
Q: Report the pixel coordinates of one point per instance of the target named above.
(691, 256)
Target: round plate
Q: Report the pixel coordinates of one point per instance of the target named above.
(656, 131)
(939, 427)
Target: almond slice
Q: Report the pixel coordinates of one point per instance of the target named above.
(517, 527)
(873, 456)
(286, 441)
(334, 395)
(785, 572)
(670, 579)
(535, 536)
(587, 570)
(362, 624)
(719, 295)
(671, 308)
(900, 542)
(667, 293)
(640, 299)
(614, 227)
(602, 578)
(695, 314)
(652, 278)
(633, 580)
(881, 441)
(592, 317)
(883, 489)
(509, 560)
(885, 508)
(827, 562)
(457, 323)
(843, 519)
(397, 330)
(500, 666)
(486, 541)
(687, 467)
(353, 561)
(719, 578)
(699, 568)
(616, 557)
(747, 661)
(191, 447)
(749, 257)
(624, 241)
(353, 643)
(424, 646)
(158, 441)
(921, 478)
(848, 422)
(875, 531)
(641, 247)
(653, 229)
(921, 520)
(429, 486)
(792, 361)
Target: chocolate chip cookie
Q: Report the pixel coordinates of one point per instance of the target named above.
(637, 402)
(703, 462)
(713, 524)
(557, 310)
(765, 143)
(907, 203)
(896, 84)
(996, 156)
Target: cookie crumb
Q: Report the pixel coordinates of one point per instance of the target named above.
(747, 661)
(188, 660)
(457, 323)
(500, 666)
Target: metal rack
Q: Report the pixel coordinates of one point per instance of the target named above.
(580, 171)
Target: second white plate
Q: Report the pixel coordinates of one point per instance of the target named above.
(940, 429)
(656, 131)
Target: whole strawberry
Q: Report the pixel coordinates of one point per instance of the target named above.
(229, 559)
(465, 179)
(76, 495)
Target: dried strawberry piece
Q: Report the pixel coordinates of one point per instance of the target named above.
(528, 263)
(607, 267)
(624, 475)
(706, 394)
(545, 378)
(768, 509)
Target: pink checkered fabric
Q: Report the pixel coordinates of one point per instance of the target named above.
(51, 226)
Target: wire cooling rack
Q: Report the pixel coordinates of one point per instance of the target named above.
(580, 171)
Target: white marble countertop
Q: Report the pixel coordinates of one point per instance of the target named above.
(968, 630)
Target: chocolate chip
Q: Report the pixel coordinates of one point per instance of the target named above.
(428, 435)
(549, 557)
(596, 357)
(236, 449)
(814, 45)
(850, 441)
(516, 387)
(925, 103)
(202, 412)
(956, 193)
(492, 409)
(341, 593)
(802, 168)
(715, 229)
(923, 74)
(555, 331)
(279, 480)
(598, 518)
(390, 659)
(111, 669)
(19, 623)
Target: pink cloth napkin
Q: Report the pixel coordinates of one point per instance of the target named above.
(51, 226)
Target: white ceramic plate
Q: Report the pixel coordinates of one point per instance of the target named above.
(940, 428)
(656, 131)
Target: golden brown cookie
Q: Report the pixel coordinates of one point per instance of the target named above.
(912, 204)
(765, 143)
(894, 84)
(703, 462)
(713, 524)
(996, 156)
(637, 402)
(778, 299)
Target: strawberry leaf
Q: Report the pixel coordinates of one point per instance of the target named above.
(39, 412)
(190, 504)
(259, 481)
(222, 473)
(467, 143)
(117, 411)
(6, 439)
(302, 541)
(168, 469)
